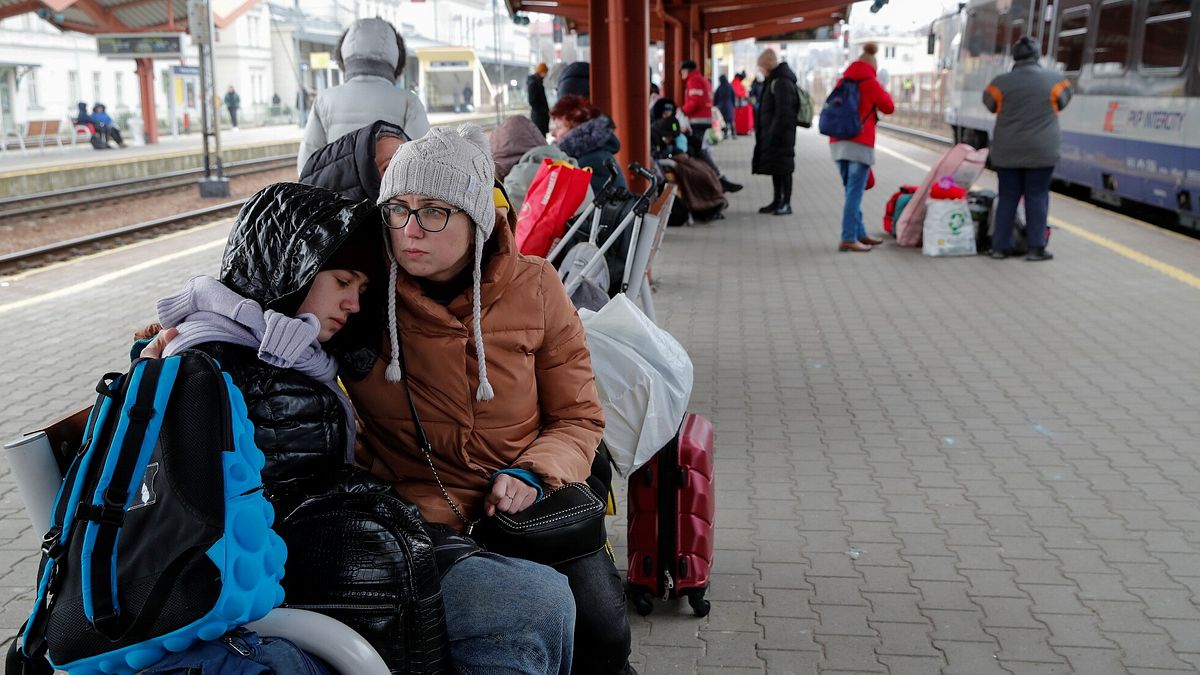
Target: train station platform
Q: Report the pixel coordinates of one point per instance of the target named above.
(923, 465)
(53, 168)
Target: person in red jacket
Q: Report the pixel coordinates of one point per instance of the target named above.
(697, 107)
(855, 156)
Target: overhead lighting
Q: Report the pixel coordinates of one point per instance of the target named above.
(796, 20)
(539, 3)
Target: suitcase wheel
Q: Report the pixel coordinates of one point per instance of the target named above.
(700, 606)
(643, 600)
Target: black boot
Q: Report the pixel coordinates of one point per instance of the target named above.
(785, 196)
(770, 208)
(1039, 254)
(729, 186)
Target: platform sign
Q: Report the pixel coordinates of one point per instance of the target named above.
(140, 45)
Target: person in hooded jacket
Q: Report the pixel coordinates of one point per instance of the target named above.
(724, 99)
(855, 156)
(497, 368)
(371, 55)
(298, 269)
(539, 107)
(775, 131)
(514, 137)
(699, 188)
(1025, 145)
(353, 165)
(583, 132)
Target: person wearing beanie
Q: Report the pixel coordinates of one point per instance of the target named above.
(493, 354)
(775, 131)
(1025, 145)
(855, 156)
(371, 55)
(588, 136)
(539, 107)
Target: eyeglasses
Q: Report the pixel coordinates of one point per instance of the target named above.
(429, 218)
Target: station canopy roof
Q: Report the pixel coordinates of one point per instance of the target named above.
(724, 20)
(123, 16)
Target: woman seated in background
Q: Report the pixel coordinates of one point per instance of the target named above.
(699, 187)
(587, 135)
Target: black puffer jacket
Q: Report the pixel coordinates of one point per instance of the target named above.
(775, 124)
(347, 165)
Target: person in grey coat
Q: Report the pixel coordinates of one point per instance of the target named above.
(1025, 145)
(371, 55)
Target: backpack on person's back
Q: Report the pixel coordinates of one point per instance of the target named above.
(839, 117)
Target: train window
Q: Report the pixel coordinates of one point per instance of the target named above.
(1112, 38)
(1072, 36)
(1165, 38)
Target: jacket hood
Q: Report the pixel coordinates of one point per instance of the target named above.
(370, 47)
(347, 165)
(575, 80)
(858, 70)
(512, 139)
(282, 237)
(594, 134)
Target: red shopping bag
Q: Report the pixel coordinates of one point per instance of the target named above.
(554, 196)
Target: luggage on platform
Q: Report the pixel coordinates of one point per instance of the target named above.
(983, 211)
(963, 163)
(895, 207)
(672, 503)
(743, 119)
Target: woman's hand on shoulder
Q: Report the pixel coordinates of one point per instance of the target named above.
(509, 495)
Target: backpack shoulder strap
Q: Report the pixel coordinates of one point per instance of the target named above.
(152, 381)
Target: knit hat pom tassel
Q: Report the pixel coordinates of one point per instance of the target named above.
(484, 392)
(393, 373)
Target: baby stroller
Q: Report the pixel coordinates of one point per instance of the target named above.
(612, 254)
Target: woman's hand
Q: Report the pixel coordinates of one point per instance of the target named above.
(154, 350)
(509, 495)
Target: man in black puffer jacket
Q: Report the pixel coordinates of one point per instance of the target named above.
(353, 165)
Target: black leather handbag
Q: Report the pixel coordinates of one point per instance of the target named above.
(566, 524)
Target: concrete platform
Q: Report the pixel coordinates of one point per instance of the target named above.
(924, 465)
(52, 168)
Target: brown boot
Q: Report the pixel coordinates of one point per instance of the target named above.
(870, 241)
(853, 246)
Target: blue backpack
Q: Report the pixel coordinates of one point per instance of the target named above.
(240, 652)
(839, 118)
(160, 535)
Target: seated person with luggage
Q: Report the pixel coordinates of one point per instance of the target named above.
(105, 127)
(700, 188)
(483, 358)
(587, 136)
(300, 264)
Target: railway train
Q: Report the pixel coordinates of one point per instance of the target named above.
(1132, 131)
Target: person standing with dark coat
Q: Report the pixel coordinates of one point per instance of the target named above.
(232, 103)
(1025, 146)
(724, 99)
(353, 165)
(539, 107)
(775, 131)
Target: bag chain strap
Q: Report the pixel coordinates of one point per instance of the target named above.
(426, 447)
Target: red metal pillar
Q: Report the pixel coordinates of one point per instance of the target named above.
(705, 53)
(601, 78)
(672, 56)
(145, 73)
(629, 41)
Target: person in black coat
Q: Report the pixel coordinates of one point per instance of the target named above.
(775, 131)
(353, 165)
(539, 107)
(724, 100)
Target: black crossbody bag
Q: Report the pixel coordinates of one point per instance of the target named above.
(565, 524)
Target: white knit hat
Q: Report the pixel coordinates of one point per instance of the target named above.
(455, 166)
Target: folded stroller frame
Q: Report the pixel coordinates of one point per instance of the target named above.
(634, 282)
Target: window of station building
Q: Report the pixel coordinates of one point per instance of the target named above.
(119, 88)
(96, 87)
(73, 85)
(1072, 37)
(1164, 39)
(1112, 38)
(31, 90)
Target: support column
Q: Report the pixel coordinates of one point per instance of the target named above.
(145, 73)
(600, 80)
(705, 53)
(629, 37)
(672, 56)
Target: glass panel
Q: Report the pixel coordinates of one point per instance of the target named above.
(1112, 38)
(1072, 35)
(1165, 38)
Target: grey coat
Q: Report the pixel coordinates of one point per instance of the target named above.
(360, 101)
(1026, 101)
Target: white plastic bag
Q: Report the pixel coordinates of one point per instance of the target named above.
(949, 229)
(644, 377)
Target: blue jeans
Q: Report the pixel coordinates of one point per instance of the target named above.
(1034, 186)
(508, 616)
(854, 179)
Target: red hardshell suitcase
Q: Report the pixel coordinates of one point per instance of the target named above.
(743, 119)
(672, 504)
